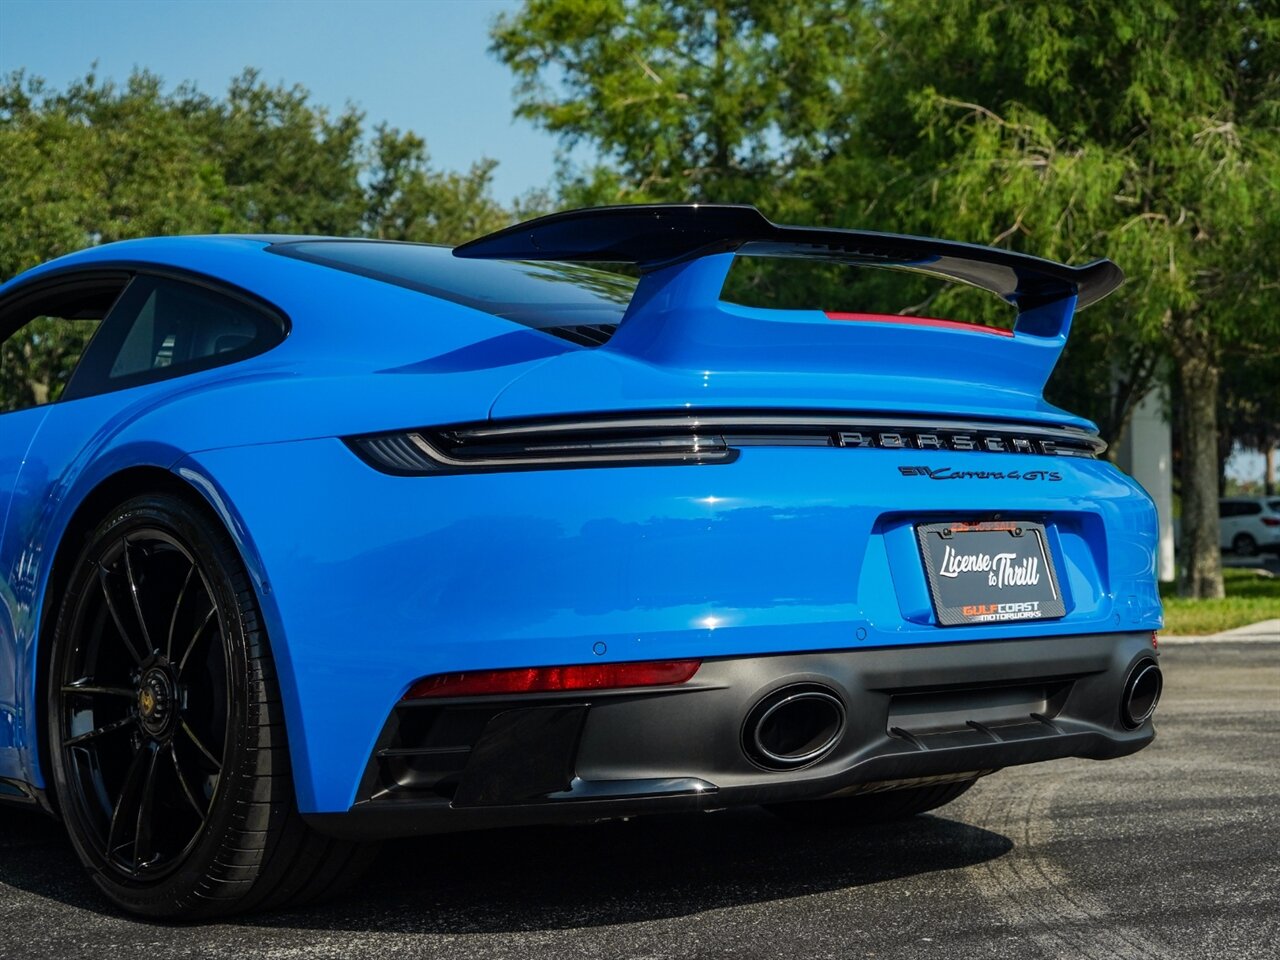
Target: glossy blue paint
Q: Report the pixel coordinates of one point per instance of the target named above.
(369, 581)
(825, 364)
(679, 345)
(380, 580)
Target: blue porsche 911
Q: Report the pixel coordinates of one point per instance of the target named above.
(306, 542)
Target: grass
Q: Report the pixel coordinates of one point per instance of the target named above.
(1251, 597)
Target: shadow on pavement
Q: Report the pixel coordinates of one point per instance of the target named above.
(549, 878)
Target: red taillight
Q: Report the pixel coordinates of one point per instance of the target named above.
(1271, 521)
(1155, 641)
(918, 322)
(590, 676)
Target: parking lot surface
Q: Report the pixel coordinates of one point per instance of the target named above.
(1174, 852)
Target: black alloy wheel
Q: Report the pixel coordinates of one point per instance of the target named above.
(145, 704)
(170, 764)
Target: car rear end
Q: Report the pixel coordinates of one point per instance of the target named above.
(710, 555)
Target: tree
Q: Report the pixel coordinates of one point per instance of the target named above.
(98, 162)
(406, 200)
(709, 101)
(1146, 130)
(1142, 130)
(1251, 405)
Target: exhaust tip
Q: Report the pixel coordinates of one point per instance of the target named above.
(1141, 694)
(793, 727)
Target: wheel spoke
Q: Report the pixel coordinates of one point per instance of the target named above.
(173, 620)
(87, 686)
(137, 602)
(145, 744)
(191, 735)
(103, 573)
(99, 731)
(142, 832)
(195, 637)
(125, 809)
(187, 792)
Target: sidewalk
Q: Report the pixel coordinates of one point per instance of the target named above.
(1265, 631)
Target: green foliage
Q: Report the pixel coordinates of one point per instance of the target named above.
(99, 162)
(706, 101)
(36, 365)
(1150, 131)
(1251, 596)
(406, 201)
(1251, 397)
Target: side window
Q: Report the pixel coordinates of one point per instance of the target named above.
(44, 336)
(164, 328)
(1250, 509)
(1226, 509)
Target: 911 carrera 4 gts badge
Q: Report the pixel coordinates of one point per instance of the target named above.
(989, 571)
(946, 473)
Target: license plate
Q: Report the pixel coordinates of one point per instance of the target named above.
(992, 571)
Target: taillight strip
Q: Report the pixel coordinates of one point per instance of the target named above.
(632, 440)
(590, 676)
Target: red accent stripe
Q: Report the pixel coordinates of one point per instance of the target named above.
(919, 322)
(591, 676)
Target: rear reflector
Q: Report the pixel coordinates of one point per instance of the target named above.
(919, 322)
(592, 676)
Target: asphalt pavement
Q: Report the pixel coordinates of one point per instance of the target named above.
(1174, 852)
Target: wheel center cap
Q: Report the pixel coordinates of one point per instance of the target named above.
(155, 701)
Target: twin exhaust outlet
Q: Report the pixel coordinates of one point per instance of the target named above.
(800, 724)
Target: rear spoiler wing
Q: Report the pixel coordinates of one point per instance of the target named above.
(655, 236)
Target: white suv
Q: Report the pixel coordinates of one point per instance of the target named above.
(1247, 525)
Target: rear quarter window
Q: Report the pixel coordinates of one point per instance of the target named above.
(163, 327)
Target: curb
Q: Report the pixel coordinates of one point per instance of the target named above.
(1265, 631)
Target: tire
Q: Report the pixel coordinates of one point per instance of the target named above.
(1244, 545)
(166, 731)
(869, 808)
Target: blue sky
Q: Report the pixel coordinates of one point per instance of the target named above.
(421, 65)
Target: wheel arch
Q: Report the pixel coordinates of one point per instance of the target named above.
(187, 484)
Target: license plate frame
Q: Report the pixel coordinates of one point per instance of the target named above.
(985, 572)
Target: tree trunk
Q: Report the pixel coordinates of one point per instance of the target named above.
(1269, 468)
(1201, 555)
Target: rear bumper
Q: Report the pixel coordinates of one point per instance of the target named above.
(911, 712)
(369, 581)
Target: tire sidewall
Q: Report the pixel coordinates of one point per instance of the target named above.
(1245, 545)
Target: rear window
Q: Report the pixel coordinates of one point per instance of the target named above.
(541, 295)
(584, 303)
